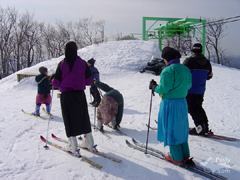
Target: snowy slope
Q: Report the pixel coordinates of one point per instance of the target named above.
(22, 155)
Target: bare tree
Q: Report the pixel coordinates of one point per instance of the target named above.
(49, 35)
(20, 31)
(84, 32)
(24, 41)
(63, 36)
(120, 37)
(33, 45)
(182, 43)
(7, 21)
(27, 43)
(91, 31)
(215, 33)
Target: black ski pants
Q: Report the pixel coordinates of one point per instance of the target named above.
(196, 110)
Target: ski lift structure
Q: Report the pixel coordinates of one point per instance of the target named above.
(163, 28)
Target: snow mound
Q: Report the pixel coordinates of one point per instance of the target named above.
(112, 57)
(22, 153)
(118, 56)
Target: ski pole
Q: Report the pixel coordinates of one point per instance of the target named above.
(149, 119)
(46, 146)
(90, 94)
(95, 109)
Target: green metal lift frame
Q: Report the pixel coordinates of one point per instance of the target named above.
(173, 27)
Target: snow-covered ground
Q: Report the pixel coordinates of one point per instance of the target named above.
(22, 155)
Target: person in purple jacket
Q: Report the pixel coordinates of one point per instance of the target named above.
(71, 78)
(93, 89)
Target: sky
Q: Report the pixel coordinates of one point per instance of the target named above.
(124, 16)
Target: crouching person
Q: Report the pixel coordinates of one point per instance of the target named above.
(110, 110)
(71, 77)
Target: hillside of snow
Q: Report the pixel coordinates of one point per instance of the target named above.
(23, 157)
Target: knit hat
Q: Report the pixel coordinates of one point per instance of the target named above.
(197, 48)
(91, 61)
(169, 53)
(43, 70)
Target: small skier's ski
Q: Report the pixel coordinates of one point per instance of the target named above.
(217, 137)
(117, 130)
(48, 114)
(152, 128)
(30, 114)
(97, 153)
(103, 133)
(158, 154)
(83, 158)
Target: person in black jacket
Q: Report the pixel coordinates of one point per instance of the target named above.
(44, 88)
(201, 70)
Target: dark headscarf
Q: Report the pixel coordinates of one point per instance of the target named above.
(71, 53)
(169, 54)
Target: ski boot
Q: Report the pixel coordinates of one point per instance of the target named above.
(169, 158)
(37, 110)
(189, 162)
(73, 146)
(201, 130)
(88, 143)
(36, 114)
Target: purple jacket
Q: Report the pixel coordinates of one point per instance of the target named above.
(72, 80)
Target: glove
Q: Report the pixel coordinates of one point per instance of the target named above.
(152, 85)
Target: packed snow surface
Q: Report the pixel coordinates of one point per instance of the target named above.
(23, 157)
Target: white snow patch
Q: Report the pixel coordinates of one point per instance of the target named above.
(22, 155)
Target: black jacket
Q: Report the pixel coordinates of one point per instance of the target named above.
(201, 70)
(199, 62)
(44, 84)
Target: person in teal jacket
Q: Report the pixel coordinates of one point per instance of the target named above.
(175, 81)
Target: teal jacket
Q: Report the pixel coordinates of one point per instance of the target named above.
(175, 81)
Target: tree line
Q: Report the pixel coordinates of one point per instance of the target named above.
(24, 41)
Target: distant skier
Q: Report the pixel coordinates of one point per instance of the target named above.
(175, 81)
(110, 109)
(44, 88)
(93, 89)
(201, 70)
(71, 77)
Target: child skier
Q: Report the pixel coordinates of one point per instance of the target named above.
(93, 89)
(44, 88)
